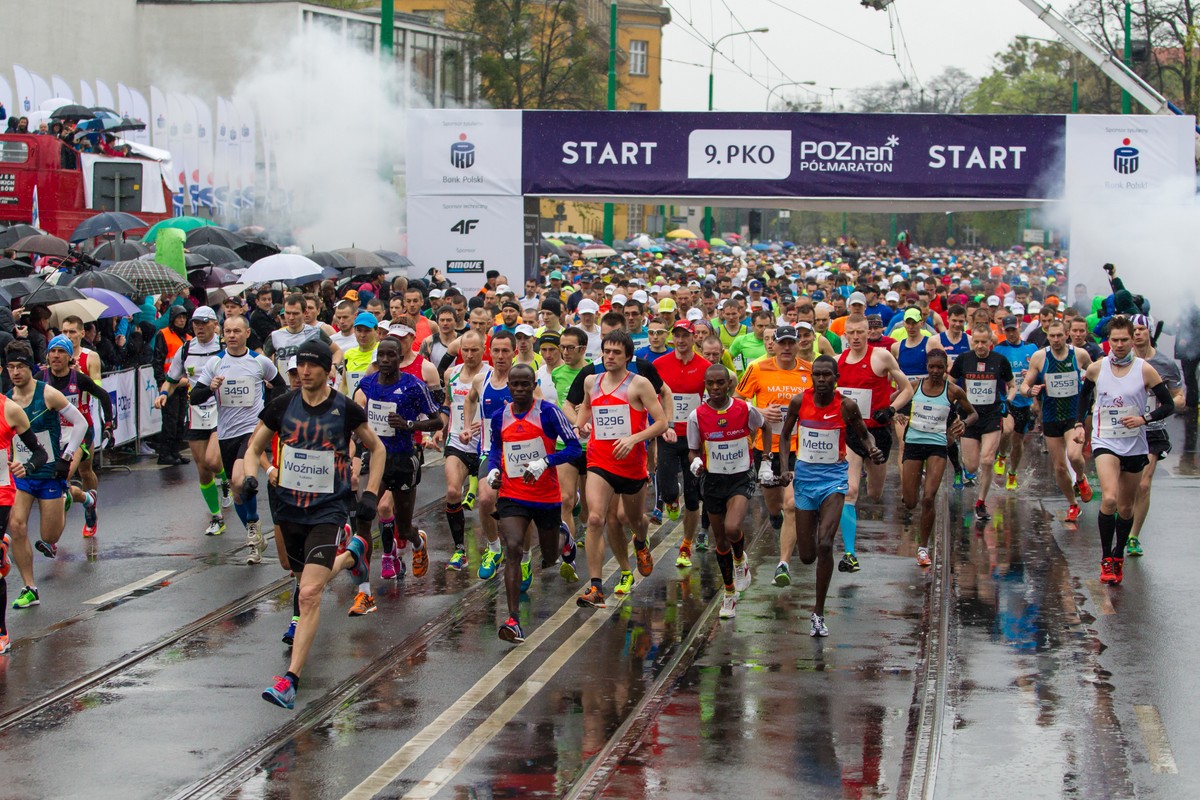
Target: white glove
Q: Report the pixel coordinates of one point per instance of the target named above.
(765, 474)
(493, 479)
(697, 465)
(536, 468)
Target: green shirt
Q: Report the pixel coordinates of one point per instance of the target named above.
(834, 340)
(563, 376)
(745, 349)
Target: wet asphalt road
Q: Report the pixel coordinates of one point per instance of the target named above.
(1079, 690)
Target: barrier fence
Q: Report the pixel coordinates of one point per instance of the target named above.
(132, 392)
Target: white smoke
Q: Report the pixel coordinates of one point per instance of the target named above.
(334, 116)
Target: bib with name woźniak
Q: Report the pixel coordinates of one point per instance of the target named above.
(307, 470)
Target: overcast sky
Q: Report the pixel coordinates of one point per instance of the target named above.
(939, 33)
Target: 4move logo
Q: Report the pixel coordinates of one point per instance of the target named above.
(1126, 158)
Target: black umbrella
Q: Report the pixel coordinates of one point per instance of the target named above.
(256, 247)
(72, 111)
(92, 279)
(13, 233)
(211, 234)
(108, 222)
(393, 258)
(361, 258)
(215, 253)
(14, 269)
(328, 258)
(43, 245)
(45, 294)
(212, 277)
(120, 251)
(195, 261)
(548, 249)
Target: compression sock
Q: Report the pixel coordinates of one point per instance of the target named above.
(251, 506)
(240, 509)
(457, 521)
(295, 597)
(212, 497)
(1123, 526)
(849, 527)
(952, 454)
(725, 561)
(739, 547)
(473, 485)
(387, 533)
(1107, 523)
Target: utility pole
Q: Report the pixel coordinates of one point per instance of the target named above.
(387, 27)
(1126, 101)
(612, 103)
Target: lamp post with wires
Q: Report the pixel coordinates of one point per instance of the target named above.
(783, 85)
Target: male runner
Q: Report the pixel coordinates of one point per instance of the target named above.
(1020, 409)
(1157, 439)
(521, 465)
(720, 433)
(461, 458)
(359, 358)
(1121, 385)
(821, 478)
(955, 342)
(314, 491)
(988, 380)
(572, 476)
(344, 314)
(87, 361)
(283, 343)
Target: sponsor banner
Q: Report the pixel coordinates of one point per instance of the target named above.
(464, 152)
(792, 155)
(122, 392)
(464, 237)
(1122, 159)
(149, 418)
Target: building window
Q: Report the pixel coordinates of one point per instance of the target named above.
(636, 219)
(638, 55)
(637, 106)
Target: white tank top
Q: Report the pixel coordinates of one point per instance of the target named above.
(1117, 398)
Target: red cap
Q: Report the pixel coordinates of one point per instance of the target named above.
(685, 325)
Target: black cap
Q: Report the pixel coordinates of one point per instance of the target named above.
(176, 310)
(785, 332)
(493, 273)
(315, 351)
(585, 276)
(1010, 322)
(512, 304)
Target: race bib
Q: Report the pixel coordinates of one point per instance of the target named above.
(5, 479)
(1110, 426)
(21, 452)
(611, 422)
(1062, 384)
(202, 418)
(929, 418)
(237, 393)
(377, 417)
(685, 404)
(307, 470)
(819, 446)
(729, 458)
(861, 398)
(981, 393)
(518, 455)
(739, 363)
(352, 381)
(458, 413)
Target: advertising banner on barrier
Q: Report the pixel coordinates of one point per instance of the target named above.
(464, 237)
(122, 391)
(149, 420)
(464, 152)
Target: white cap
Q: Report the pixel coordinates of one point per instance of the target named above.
(291, 365)
(204, 313)
(1035, 307)
(619, 300)
(695, 315)
(890, 296)
(993, 301)
(400, 329)
(436, 294)
(525, 330)
(1018, 309)
(641, 296)
(610, 289)
(502, 288)
(588, 307)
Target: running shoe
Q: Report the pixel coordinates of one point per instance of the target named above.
(783, 577)
(491, 561)
(1118, 569)
(969, 478)
(363, 604)
(701, 540)
(923, 559)
(645, 560)
(849, 563)
(592, 598)
(526, 575)
(1106, 570)
(818, 625)
(684, 560)
(90, 518)
(998, 467)
(387, 566)
(511, 631)
(5, 564)
(458, 561)
(420, 558)
(1134, 547)
(5, 645)
(566, 569)
(46, 549)
(958, 479)
(282, 693)
(289, 636)
(729, 605)
(28, 597)
(216, 526)
(672, 510)
(254, 541)
(226, 494)
(981, 512)
(468, 502)
(656, 516)
(624, 583)
(1011, 482)
(1073, 513)
(1084, 489)
(741, 574)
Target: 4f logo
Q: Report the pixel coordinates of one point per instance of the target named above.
(464, 226)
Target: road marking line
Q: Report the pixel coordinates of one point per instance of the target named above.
(1154, 734)
(416, 746)
(1100, 597)
(115, 594)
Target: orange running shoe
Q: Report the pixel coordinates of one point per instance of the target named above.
(1118, 570)
(645, 560)
(592, 598)
(1106, 570)
(420, 557)
(363, 604)
(1084, 488)
(1073, 513)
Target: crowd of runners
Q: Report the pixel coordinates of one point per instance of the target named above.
(600, 398)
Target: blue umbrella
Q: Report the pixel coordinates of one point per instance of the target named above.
(760, 247)
(108, 222)
(116, 305)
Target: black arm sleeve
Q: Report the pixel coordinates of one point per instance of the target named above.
(38, 456)
(650, 372)
(575, 393)
(97, 391)
(199, 394)
(1085, 400)
(856, 444)
(446, 363)
(1166, 403)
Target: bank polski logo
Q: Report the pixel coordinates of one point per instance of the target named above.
(1125, 158)
(462, 153)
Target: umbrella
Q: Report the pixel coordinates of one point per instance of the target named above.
(85, 308)
(14, 269)
(182, 223)
(195, 261)
(219, 294)
(394, 259)
(211, 234)
(681, 233)
(330, 258)
(717, 241)
(256, 247)
(215, 253)
(94, 279)
(119, 251)
(733, 237)
(282, 267)
(72, 111)
(149, 277)
(115, 303)
(698, 244)
(547, 249)
(108, 222)
(598, 251)
(15, 232)
(361, 258)
(212, 277)
(43, 245)
(46, 295)
(107, 124)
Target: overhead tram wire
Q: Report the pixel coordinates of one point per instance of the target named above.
(698, 36)
(770, 62)
(894, 15)
(833, 30)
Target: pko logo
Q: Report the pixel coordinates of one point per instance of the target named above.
(459, 267)
(1125, 159)
(462, 153)
(464, 226)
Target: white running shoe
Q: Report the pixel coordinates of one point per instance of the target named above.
(254, 541)
(729, 605)
(226, 494)
(818, 626)
(741, 574)
(216, 526)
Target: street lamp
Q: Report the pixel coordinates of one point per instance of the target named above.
(706, 225)
(782, 85)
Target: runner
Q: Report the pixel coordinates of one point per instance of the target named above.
(955, 342)
(461, 458)
(87, 361)
(720, 433)
(988, 380)
(616, 404)
(239, 378)
(821, 478)
(572, 476)
(283, 343)
(395, 403)
(866, 375)
(1020, 409)
(1121, 384)
(359, 358)
(314, 426)
(1054, 375)
(521, 465)
(202, 419)
(940, 411)
(45, 408)
(343, 322)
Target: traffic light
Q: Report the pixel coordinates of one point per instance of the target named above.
(755, 224)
